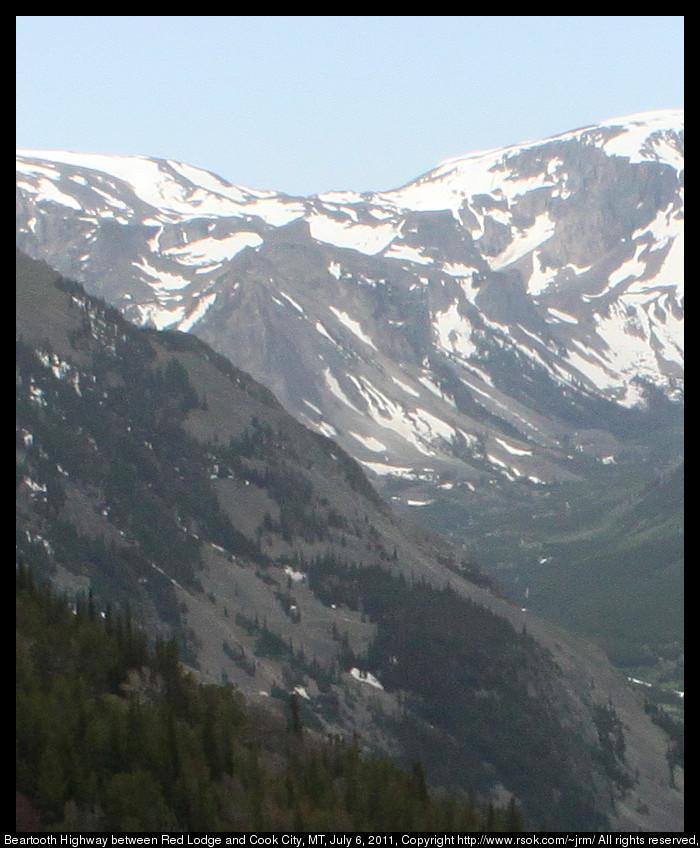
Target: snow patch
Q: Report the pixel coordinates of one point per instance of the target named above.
(292, 302)
(369, 442)
(209, 249)
(166, 281)
(559, 316)
(334, 386)
(197, 313)
(406, 388)
(346, 234)
(454, 331)
(352, 325)
(365, 677)
(512, 449)
(408, 254)
(294, 576)
(324, 332)
(525, 241)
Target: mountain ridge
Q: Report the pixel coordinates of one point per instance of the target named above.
(121, 430)
(505, 330)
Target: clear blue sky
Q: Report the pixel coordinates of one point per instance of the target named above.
(310, 103)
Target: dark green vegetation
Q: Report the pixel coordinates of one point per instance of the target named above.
(113, 736)
(110, 449)
(489, 709)
(603, 555)
(169, 484)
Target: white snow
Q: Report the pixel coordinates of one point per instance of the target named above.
(406, 388)
(430, 427)
(292, 302)
(480, 373)
(324, 332)
(632, 267)
(627, 330)
(436, 390)
(35, 487)
(111, 200)
(417, 426)
(559, 316)
(346, 234)
(647, 136)
(27, 164)
(525, 241)
(208, 269)
(352, 325)
(312, 406)
(204, 179)
(369, 442)
(334, 386)
(209, 249)
(405, 423)
(326, 429)
(459, 269)
(47, 191)
(365, 677)
(294, 576)
(165, 280)
(407, 253)
(383, 469)
(341, 197)
(540, 278)
(667, 233)
(454, 331)
(159, 184)
(275, 211)
(159, 317)
(197, 313)
(36, 395)
(512, 449)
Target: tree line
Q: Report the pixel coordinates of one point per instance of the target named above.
(113, 735)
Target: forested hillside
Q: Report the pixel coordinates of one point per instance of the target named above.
(113, 736)
(155, 477)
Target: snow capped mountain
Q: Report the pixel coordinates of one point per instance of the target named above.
(498, 342)
(475, 325)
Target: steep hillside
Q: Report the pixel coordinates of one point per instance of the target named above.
(155, 474)
(502, 333)
(117, 738)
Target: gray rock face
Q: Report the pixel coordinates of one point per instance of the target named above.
(405, 324)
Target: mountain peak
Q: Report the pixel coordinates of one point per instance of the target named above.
(637, 126)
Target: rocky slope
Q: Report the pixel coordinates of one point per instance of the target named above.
(465, 328)
(156, 475)
(498, 342)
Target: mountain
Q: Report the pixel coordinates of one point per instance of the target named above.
(119, 738)
(164, 484)
(499, 341)
(393, 313)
